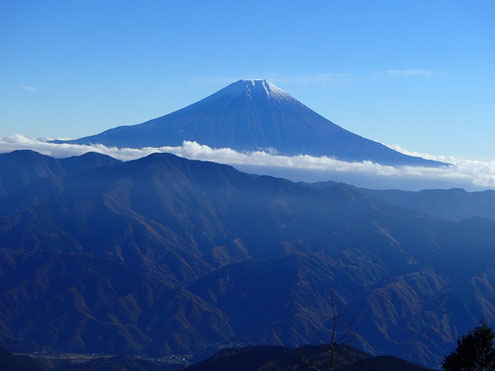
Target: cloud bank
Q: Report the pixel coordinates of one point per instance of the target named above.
(474, 174)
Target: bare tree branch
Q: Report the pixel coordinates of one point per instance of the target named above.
(336, 318)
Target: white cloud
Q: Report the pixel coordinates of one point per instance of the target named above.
(28, 88)
(409, 73)
(467, 172)
(478, 172)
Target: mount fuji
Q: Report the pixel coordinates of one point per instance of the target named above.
(250, 115)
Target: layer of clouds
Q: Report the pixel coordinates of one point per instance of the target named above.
(472, 174)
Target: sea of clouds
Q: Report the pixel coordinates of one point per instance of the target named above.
(469, 174)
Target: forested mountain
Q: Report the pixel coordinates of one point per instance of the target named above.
(164, 255)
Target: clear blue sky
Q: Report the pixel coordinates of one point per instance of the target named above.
(416, 73)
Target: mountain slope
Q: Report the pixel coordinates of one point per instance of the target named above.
(85, 304)
(20, 168)
(250, 115)
(171, 255)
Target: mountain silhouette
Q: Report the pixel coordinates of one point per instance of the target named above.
(251, 115)
(19, 168)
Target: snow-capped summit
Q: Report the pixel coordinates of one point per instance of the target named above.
(250, 115)
(257, 86)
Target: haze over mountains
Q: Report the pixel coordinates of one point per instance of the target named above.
(251, 115)
(164, 255)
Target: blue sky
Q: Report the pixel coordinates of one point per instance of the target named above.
(415, 73)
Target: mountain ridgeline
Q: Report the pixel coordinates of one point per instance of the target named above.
(266, 358)
(167, 256)
(251, 115)
(20, 168)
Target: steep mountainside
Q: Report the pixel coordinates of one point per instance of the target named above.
(164, 255)
(249, 115)
(81, 303)
(20, 168)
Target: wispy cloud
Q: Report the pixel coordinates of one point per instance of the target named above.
(325, 79)
(276, 78)
(409, 73)
(312, 79)
(28, 88)
(214, 80)
(469, 172)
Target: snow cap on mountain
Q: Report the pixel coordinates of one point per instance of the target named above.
(256, 87)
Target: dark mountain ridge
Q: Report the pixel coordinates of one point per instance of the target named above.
(259, 358)
(164, 255)
(20, 168)
(250, 115)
